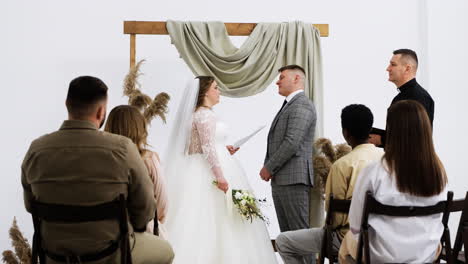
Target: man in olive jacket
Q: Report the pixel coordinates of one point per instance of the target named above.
(80, 165)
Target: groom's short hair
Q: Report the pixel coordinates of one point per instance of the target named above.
(357, 119)
(292, 67)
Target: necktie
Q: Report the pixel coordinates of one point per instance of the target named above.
(284, 103)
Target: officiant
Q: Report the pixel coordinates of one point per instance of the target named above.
(402, 72)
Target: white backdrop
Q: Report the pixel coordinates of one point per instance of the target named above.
(47, 43)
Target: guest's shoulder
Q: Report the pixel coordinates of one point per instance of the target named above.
(151, 155)
(376, 167)
(44, 139)
(115, 140)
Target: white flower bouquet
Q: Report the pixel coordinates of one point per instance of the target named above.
(247, 205)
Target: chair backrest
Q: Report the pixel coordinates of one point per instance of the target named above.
(461, 237)
(156, 223)
(372, 206)
(114, 210)
(334, 206)
(445, 241)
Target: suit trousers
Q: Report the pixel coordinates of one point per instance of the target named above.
(295, 247)
(292, 206)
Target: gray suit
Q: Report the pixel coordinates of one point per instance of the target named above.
(289, 160)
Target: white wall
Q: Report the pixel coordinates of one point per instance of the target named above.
(447, 42)
(47, 43)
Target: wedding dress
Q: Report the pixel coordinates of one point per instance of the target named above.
(203, 225)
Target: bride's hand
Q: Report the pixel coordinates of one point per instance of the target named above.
(231, 149)
(222, 184)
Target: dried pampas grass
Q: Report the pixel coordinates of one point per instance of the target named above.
(9, 257)
(132, 88)
(325, 155)
(325, 147)
(150, 108)
(131, 80)
(139, 100)
(342, 149)
(157, 108)
(20, 244)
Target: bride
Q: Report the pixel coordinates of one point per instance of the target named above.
(203, 226)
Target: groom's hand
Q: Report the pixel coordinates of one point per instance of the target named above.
(265, 174)
(232, 150)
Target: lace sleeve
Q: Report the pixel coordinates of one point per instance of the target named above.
(205, 122)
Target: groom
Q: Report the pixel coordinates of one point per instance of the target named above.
(288, 161)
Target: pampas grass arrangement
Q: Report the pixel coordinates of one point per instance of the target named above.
(150, 108)
(325, 155)
(9, 257)
(132, 88)
(21, 245)
(157, 108)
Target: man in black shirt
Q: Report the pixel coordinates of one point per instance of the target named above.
(402, 72)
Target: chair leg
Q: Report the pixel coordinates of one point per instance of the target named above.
(465, 241)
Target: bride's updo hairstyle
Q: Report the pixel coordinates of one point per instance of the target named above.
(205, 83)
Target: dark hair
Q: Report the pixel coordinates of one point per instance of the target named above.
(407, 53)
(126, 120)
(205, 83)
(409, 150)
(292, 67)
(83, 93)
(357, 119)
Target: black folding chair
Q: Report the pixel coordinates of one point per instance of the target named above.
(447, 251)
(156, 223)
(461, 239)
(115, 210)
(372, 206)
(334, 206)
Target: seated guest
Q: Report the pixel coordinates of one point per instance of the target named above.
(356, 123)
(127, 121)
(409, 174)
(79, 165)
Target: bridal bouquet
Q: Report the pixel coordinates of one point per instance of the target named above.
(247, 205)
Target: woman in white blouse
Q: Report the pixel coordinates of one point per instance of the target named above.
(409, 174)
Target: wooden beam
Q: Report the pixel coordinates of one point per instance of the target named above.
(132, 50)
(233, 29)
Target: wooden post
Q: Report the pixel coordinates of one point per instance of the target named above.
(132, 50)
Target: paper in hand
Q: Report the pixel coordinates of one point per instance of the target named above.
(241, 141)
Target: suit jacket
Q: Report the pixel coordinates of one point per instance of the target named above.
(79, 165)
(289, 147)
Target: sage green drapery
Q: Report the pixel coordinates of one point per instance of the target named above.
(248, 70)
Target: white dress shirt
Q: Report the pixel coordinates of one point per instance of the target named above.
(291, 95)
(395, 239)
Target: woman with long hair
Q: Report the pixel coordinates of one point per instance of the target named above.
(127, 121)
(409, 174)
(203, 225)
